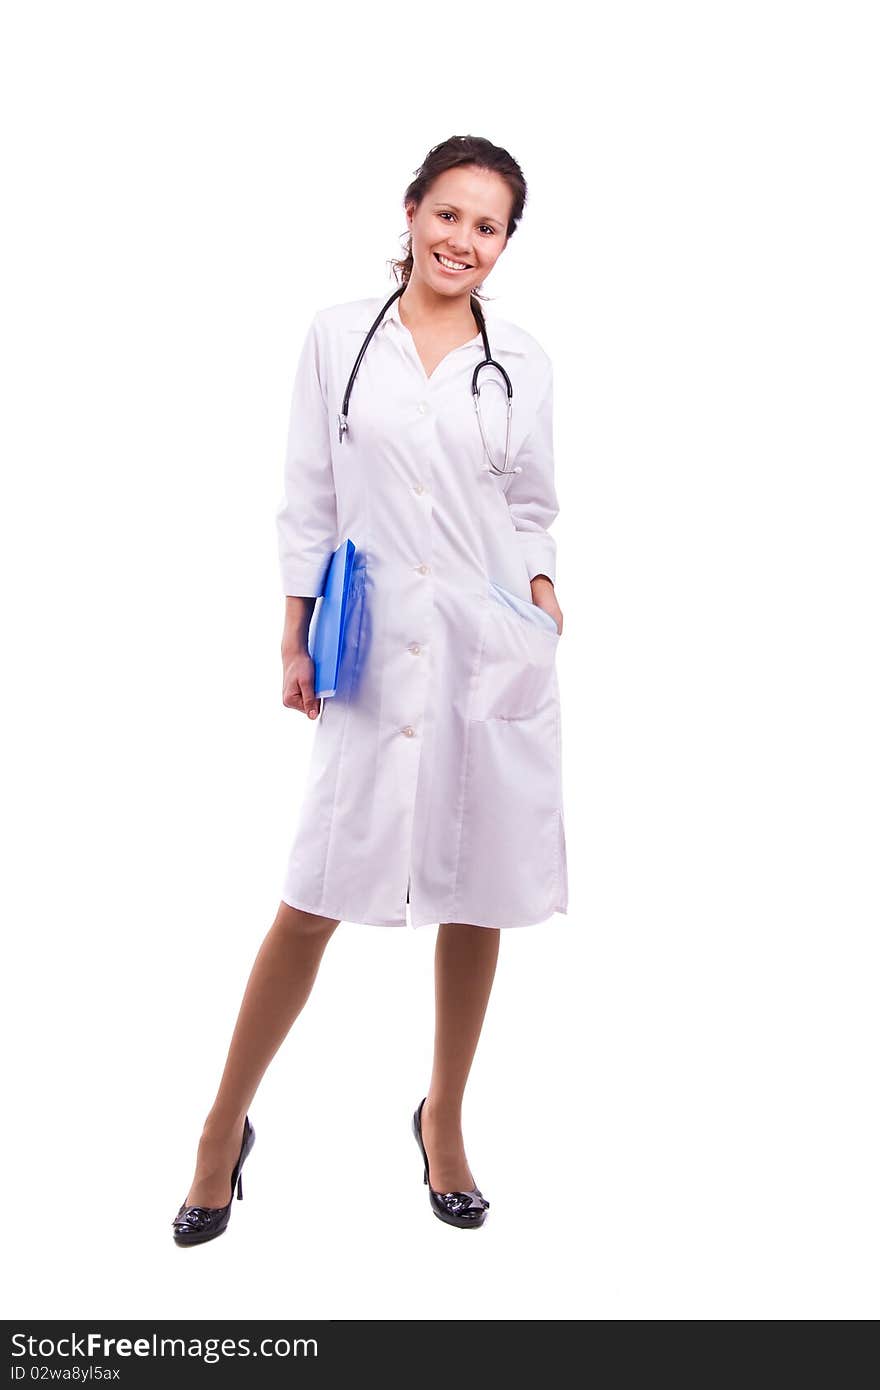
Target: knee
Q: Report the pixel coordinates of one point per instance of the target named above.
(296, 921)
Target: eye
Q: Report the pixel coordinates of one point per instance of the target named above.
(484, 225)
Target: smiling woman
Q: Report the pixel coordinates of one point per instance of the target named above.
(462, 208)
(433, 792)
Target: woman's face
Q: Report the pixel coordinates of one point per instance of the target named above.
(463, 217)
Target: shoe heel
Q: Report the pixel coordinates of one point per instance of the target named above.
(238, 1194)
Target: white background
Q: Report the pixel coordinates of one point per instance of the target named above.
(673, 1106)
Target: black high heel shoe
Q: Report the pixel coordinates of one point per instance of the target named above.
(458, 1208)
(192, 1225)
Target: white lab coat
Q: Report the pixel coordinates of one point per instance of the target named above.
(435, 774)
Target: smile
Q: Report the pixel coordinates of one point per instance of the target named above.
(447, 264)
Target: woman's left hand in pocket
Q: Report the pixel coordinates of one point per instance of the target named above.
(544, 595)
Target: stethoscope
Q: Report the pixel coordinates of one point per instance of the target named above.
(475, 389)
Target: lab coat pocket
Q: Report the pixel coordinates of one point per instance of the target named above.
(510, 870)
(516, 671)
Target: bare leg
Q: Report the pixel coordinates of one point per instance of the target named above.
(464, 969)
(279, 984)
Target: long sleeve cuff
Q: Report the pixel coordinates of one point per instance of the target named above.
(539, 549)
(301, 579)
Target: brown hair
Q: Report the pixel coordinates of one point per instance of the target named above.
(459, 150)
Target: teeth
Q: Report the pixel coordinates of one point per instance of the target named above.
(453, 265)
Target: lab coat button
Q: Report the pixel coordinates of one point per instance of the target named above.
(423, 407)
(418, 488)
(409, 731)
(422, 569)
(414, 648)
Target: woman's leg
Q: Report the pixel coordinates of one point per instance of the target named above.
(279, 984)
(464, 968)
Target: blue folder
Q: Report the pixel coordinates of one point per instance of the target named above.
(327, 630)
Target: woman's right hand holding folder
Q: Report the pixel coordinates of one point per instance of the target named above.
(298, 685)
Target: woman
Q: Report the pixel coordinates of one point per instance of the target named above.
(435, 783)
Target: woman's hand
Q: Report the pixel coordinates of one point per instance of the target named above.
(298, 687)
(544, 595)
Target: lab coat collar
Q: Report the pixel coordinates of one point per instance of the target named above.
(503, 335)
